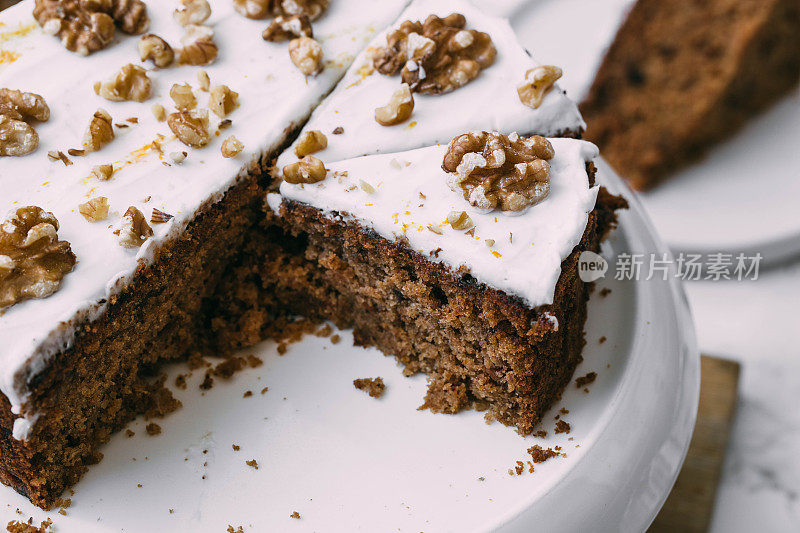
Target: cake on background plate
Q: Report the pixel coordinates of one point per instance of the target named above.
(680, 76)
(143, 225)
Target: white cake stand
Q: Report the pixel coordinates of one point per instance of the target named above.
(347, 462)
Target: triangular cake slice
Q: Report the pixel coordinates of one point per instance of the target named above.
(486, 300)
(680, 76)
(489, 101)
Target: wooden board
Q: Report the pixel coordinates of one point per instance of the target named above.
(690, 505)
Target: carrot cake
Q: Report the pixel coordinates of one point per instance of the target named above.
(681, 76)
(149, 222)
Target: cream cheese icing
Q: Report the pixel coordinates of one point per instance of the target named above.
(489, 102)
(273, 96)
(406, 194)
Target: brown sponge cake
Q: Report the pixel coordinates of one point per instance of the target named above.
(681, 75)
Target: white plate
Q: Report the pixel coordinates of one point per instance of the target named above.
(348, 462)
(741, 197)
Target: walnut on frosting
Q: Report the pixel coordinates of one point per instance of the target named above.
(437, 56)
(86, 26)
(492, 170)
(192, 12)
(16, 137)
(538, 82)
(222, 100)
(100, 131)
(129, 83)
(259, 9)
(307, 170)
(198, 46)
(310, 142)
(399, 108)
(191, 127)
(32, 259)
(283, 28)
(17, 110)
(157, 50)
(133, 229)
(306, 54)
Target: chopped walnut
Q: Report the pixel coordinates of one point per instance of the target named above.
(198, 46)
(399, 108)
(32, 259)
(307, 170)
(183, 96)
(493, 170)
(23, 106)
(159, 217)
(95, 209)
(159, 112)
(191, 127)
(178, 157)
(310, 142)
(306, 54)
(283, 28)
(85, 26)
(538, 82)
(437, 56)
(203, 80)
(133, 229)
(156, 49)
(259, 9)
(222, 100)
(459, 220)
(231, 147)
(103, 172)
(192, 12)
(130, 83)
(16, 137)
(100, 131)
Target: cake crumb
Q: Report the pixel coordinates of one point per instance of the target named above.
(540, 455)
(253, 463)
(153, 429)
(335, 339)
(247, 394)
(208, 382)
(27, 527)
(236, 447)
(562, 427)
(601, 340)
(281, 348)
(588, 379)
(542, 434)
(373, 386)
(324, 331)
(605, 291)
(295, 514)
(129, 433)
(264, 390)
(254, 362)
(237, 530)
(180, 381)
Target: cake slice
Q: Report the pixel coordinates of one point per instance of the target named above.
(680, 76)
(485, 300)
(116, 240)
(489, 101)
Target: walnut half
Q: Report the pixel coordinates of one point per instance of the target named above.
(23, 106)
(32, 259)
(86, 26)
(129, 83)
(437, 56)
(259, 9)
(538, 82)
(16, 137)
(492, 170)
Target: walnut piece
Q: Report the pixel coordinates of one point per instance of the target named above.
(23, 106)
(437, 56)
(493, 170)
(307, 170)
(103, 172)
(198, 46)
(399, 108)
(283, 28)
(16, 137)
(183, 96)
(191, 127)
(192, 12)
(459, 220)
(310, 142)
(306, 54)
(222, 100)
(259, 9)
(231, 147)
(157, 50)
(100, 131)
(32, 259)
(159, 112)
(203, 80)
(85, 26)
(95, 209)
(134, 229)
(538, 82)
(130, 83)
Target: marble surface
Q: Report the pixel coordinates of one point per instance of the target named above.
(756, 323)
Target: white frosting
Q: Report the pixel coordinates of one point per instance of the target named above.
(273, 95)
(489, 102)
(411, 193)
